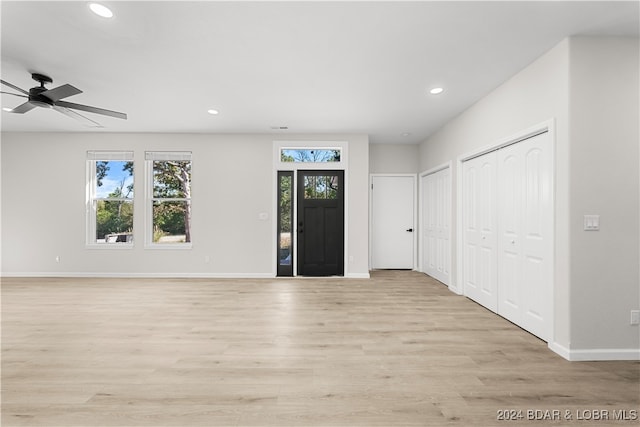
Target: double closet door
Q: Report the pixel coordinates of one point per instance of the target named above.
(508, 233)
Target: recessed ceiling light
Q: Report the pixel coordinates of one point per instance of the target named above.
(405, 134)
(436, 90)
(101, 10)
(213, 112)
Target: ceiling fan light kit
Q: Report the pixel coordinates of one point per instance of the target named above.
(40, 96)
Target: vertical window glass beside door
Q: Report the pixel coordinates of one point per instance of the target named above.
(285, 223)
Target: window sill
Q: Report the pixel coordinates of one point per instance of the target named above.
(109, 246)
(168, 246)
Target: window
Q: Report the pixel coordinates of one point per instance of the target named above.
(321, 186)
(169, 198)
(285, 223)
(310, 155)
(110, 198)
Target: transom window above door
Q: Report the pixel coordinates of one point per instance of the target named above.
(310, 155)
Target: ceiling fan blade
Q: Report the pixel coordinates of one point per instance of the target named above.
(61, 92)
(14, 87)
(79, 117)
(14, 94)
(23, 108)
(91, 109)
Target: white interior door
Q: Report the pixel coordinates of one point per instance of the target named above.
(480, 231)
(525, 244)
(436, 224)
(393, 221)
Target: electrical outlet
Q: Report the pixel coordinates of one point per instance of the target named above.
(207, 259)
(635, 317)
(57, 258)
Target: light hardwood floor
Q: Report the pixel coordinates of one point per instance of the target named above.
(396, 350)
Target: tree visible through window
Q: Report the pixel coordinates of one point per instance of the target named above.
(321, 187)
(111, 197)
(171, 198)
(310, 155)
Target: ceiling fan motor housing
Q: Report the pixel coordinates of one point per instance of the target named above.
(35, 96)
(41, 78)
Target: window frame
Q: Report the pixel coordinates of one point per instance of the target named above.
(279, 145)
(93, 157)
(150, 158)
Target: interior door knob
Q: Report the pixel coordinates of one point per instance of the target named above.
(410, 230)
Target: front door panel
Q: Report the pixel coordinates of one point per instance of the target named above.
(320, 227)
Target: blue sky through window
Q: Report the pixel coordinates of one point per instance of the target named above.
(310, 155)
(113, 179)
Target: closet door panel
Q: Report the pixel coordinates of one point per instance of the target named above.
(429, 223)
(510, 233)
(537, 250)
(525, 245)
(479, 225)
(436, 196)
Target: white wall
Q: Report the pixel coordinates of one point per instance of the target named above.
(605, 140)
(550, 89)
(43, 205)
(393, 158)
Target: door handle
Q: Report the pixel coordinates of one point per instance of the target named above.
(410, 230)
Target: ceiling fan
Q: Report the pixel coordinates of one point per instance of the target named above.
(40, 96)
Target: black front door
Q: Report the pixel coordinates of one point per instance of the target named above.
(320, 223)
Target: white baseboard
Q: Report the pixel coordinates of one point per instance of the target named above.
(144, 275)
(161, 275)
(560, 350)
(585, 355)
(358, 276)
(455, 290)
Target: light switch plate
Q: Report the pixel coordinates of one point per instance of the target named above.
(591, 222)
(635, 317)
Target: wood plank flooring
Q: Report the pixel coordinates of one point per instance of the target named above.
(396, 350)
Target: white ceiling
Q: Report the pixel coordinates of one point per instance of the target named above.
(321, 67)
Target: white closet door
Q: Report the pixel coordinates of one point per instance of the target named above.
(525, 244)
(479, 228)
(436, 222)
